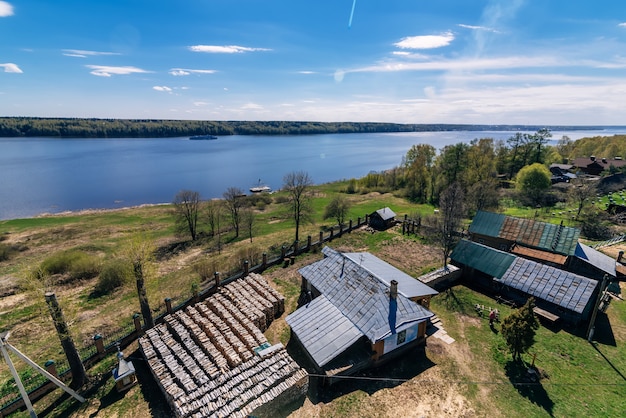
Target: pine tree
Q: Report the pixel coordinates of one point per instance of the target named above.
(518, 329)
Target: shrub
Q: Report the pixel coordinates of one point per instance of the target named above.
(77, 264)
(5, 252)
(114, 274)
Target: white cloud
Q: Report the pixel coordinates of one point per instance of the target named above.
(5, 9)
(162, 88)
(9, 67)
(108, 71)
(81, 53)
(425, 41)
(252, 106)
(479, 28)
(224, 49)
(200, 104)
(307, 72)
(186, 71)
(622, 25)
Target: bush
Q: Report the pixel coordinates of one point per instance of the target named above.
(77, 264)
(5, 252)
(114, 274)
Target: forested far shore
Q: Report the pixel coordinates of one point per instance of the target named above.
(154, 128)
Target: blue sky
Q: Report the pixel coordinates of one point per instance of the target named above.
(448, 61)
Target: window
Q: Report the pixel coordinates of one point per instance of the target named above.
(401, 337)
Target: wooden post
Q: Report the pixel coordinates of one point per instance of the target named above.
(350, 228)
(99, 342)
(296, 247)
(321, 238)
(264, 260)
(246, 267)
(308, 243)
(331, 233)
(217, 278)
(283, 252)
(137, 322)
(168, 305)
(51, 367)
(358, 221)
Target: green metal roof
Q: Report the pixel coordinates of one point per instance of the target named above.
(487, 223)
(528, 232)
(482, 258)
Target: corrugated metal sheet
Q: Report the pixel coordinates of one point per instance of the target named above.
(596, 259)
(361, 297)
(323, 330)
(546, 236)
(408, 286)
(565, 289)
(487, 223)
(542, 255)
(480, 257)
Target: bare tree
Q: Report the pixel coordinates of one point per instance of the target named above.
(337, 209)
(79, 375)
(249, 221)
(140, 252)
(186, 208)
(298, 186)
(213, 214)
(233, 200)
(450, 215)
(580, 193)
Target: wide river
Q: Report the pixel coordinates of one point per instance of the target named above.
(52, 175)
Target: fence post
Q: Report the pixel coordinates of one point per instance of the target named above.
(296, 244)
(358, 221)
(308, 243)
(137, 322)
(332, 230)
(283, 251)
(350, 228)
(168, 305)
(51, 367)
(246, 268)
(99, 342)
(321, 238)
(264, 260)
(217, 278)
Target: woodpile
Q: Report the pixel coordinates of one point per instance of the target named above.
(204, 357)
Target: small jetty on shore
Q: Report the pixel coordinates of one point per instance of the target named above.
(260, 188)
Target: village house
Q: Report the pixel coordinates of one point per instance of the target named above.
(546, 243)
(594, 166)
(357, 312)
(558, 294)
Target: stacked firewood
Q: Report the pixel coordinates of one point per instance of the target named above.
(204, 357)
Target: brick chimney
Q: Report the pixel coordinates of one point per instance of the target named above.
(393, 289)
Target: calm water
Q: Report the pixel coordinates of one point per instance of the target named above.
(50, 175)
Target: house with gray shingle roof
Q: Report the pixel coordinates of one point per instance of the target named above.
(350, 318)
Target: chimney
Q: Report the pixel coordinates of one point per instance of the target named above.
(393, 289)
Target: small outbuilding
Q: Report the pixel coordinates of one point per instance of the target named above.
(382, 219)
(124, 374)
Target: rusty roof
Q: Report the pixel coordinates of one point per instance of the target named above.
(541, 255)
(528, 232)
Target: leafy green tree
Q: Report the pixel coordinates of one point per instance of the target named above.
(418, 164)
(338, 209)
(533, 180)
(519, 328)
(481, 161)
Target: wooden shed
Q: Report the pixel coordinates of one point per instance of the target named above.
(382, 219)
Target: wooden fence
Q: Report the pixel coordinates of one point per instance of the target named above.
(105, 345)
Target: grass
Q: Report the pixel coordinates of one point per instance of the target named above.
(579, 378)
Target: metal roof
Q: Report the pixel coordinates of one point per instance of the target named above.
(559, 287)
(360, 297)
(408, 286)
(596, 259)
(480, 257)
(385, 214)
(542, 255)
(323, 330)
(546, 236)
